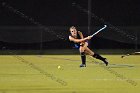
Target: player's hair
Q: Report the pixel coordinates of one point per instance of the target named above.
(72, 27)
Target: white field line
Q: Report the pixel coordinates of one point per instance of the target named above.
(105, 79)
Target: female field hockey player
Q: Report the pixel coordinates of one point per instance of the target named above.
(81, 43)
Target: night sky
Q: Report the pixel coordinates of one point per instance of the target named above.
(62, 13)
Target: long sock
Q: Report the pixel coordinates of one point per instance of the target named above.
(83, 58)
(97, 56)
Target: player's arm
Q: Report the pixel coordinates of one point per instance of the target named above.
(79, 40)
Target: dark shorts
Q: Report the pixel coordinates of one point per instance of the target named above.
(77, 46)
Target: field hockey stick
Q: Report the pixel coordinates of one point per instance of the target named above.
(99, 30)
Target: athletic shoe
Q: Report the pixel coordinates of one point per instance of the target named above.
(83, 65)
(106, 62)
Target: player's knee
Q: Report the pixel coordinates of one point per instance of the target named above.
(92, 53)
(81, 49)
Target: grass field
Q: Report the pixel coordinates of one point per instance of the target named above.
(39, 74)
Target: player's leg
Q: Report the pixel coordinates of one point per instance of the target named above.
(83, 56)
(95, 55)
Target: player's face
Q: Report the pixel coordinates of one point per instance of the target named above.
(73, 31)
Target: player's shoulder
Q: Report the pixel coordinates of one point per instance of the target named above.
(71, 38)
(79, 32)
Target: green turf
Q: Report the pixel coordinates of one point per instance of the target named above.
(39, 74)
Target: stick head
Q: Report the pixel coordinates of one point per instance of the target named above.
(105, 25)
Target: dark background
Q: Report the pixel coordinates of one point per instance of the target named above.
(17, 32)
(62, 13)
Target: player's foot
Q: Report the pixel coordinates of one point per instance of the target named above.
(105, 61)
(83, 65)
